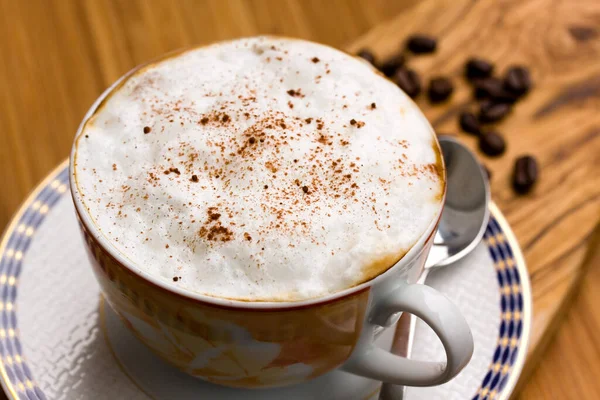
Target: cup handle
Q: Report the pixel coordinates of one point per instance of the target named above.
(440, 314)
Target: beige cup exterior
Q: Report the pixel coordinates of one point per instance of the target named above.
(254, 345)
(240, 347)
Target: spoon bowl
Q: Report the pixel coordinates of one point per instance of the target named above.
(466, 213)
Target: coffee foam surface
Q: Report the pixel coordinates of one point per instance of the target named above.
(259, 169)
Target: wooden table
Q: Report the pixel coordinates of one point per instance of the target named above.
(57, 56)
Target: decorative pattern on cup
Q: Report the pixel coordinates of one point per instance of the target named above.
(227, 345)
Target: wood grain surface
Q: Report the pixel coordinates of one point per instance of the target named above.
(57, 56)
(558, 123)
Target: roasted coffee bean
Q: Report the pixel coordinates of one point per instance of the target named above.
(504, 96)
(486, 103)
(440, 89)
(421, 44)
(477, 68)
(517, 80)
(525, 174)
(493, 88)
(469, 123)
(484, 88)
(409, 81)
(490, 111)
(391, 65)
(367, 55)
(492, 143)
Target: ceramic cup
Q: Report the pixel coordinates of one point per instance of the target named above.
(267, 344)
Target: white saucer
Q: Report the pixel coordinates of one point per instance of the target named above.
(58, 340)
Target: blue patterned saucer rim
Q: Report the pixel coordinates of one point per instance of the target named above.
(512, 277)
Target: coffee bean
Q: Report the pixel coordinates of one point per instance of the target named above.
(517, 80)
(525, 174)
(477, 68)
(486, 103)
(440, 89)
(485, 87)
(492, 143)
(469, 123)
(409, 81)
(504, 96)
(493, 88)
(490, 111)
(367, 55)
(421, 44)
(391, 65)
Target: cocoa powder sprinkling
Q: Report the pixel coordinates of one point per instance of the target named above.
(245, 147)
(213, 215)
(358, 124)
(295, 93)
(173, 170)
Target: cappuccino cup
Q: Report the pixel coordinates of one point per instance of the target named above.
(257, 211)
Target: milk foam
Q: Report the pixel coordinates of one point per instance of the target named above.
(259, 169)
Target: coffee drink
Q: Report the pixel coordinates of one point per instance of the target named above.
(260, 169)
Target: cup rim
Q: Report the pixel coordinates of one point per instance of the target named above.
(86, 219)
